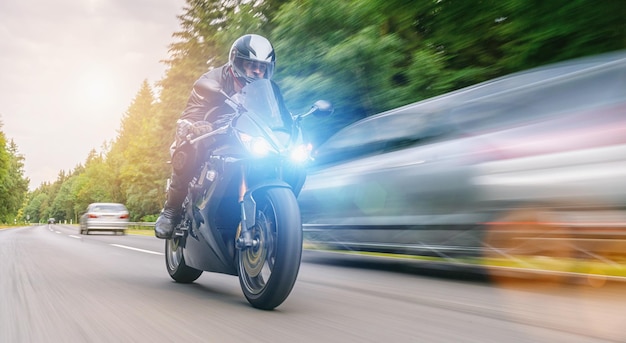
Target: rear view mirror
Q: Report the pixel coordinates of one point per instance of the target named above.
(322, 108)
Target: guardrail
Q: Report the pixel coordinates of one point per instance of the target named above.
(141, 224)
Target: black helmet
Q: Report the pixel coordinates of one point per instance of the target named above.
(251, 50)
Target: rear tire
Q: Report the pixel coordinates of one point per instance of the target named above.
(268, 271)
(175, 262)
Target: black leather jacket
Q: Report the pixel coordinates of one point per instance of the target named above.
(206, 105)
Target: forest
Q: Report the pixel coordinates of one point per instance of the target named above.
(364, 56)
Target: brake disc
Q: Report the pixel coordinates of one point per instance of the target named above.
(255, 257)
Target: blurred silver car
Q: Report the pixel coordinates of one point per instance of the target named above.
(104, 217)
(533, 163)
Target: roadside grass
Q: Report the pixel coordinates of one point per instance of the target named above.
(614, 268)
(144, 231)
(568, 265)
(2, 227)
(136, 230)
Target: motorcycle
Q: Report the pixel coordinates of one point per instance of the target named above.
(241, 216)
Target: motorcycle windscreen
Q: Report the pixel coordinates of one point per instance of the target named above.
(262, 98)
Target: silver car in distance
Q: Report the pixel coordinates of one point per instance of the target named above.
(104, 217)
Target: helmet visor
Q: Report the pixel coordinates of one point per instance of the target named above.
(252, 70)
(255, 66)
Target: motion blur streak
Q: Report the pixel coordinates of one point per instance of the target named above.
(528, 170)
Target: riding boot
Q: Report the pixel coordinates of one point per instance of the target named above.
(171, 214)
(183, 162)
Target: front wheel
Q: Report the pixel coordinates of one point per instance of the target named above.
(268, 270)
(175, 262)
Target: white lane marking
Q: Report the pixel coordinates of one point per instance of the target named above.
(58, 232)
(74, 236)
(137, 249)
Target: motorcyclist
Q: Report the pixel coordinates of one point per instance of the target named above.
(251, 57)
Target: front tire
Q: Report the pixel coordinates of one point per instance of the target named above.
(178, 270)
(268, 271)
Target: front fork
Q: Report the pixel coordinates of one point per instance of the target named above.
(244, 238)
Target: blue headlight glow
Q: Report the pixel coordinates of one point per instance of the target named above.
(258, 146)
(301, 153)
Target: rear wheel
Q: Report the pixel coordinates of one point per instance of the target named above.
(268, 270)
(175, 262)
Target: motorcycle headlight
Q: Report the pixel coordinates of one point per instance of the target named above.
(258, 146)
(301, 153)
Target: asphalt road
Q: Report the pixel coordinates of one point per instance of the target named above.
(58, 286)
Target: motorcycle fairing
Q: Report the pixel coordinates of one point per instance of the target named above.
(211, 226)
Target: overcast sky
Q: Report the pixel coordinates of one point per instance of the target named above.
(69, 69)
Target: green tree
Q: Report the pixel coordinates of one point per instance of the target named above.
(353, 60)
(54, 191)
(5, 163)
(13, 184)
(62, 207)
(544, 32)
(371, 56)
(92, 185)
(136, 163)
(37, 202)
